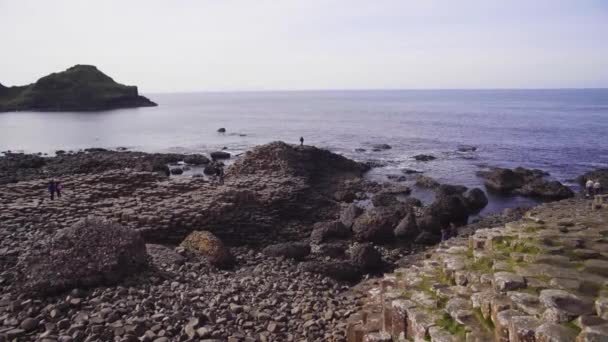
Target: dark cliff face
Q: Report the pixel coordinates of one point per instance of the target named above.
(79, 88)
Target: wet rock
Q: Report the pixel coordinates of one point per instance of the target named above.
(502, 180)
(381, 147)
(327, 231)
(292, 250)
(220, 155)
(221, 130)
(211, 247)
(466, 148)
(550, 190)
(91, 252)
(177, 171)
(424, 157)
(475, 199)
(507, 281)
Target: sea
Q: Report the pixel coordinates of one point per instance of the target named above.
(561, 131)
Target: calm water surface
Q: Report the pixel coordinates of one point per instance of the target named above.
(560, 131)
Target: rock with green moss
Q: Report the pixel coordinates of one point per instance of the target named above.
(79, 88)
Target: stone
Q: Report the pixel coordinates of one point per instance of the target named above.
(565, 304)
(211, 247)
(507, 281)
(376, 224)
(348, 215)
(475, 200)
(601, 307)
(552, 332)
(407, 227)
(595, 333)
(523, 328)
(596, 266)
(91, 252)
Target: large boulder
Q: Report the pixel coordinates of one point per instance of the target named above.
(220, 155)
(475, 200)
(367, 258)
(377, 224)
(209, 246)
(92, 252)
(349, 214)
(291, 250)
(548, 190)
(449, 189)
(449, 209)
(407, 228)
(502, 180)
(327, 231)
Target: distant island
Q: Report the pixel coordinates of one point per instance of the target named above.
(79, 88)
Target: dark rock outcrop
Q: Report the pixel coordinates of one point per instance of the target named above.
(524, 182)
(476, 200)
(426, 182)
(424, 157)
(220, 155)
(92, 252)
(377, 224)
(381, 147)
(196, 159)
(367, 258)
(327, 231)
(79, 88)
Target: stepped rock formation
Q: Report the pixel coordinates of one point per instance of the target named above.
(79, 88)
(542, 278)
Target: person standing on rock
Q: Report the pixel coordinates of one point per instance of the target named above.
(301, 141)
(52, 188)
(220, 174)
(453, 230)
(58, 188)
(589, 187)
(597, 187)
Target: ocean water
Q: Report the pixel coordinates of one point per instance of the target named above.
(563, 132)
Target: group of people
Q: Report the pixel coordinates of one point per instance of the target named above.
(593, 188)
(55, 188)
(449, 232)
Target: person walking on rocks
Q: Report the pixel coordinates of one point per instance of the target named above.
(58, 188)
(301, 141)
(52, 188)
(589, 187)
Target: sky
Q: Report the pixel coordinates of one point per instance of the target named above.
(231, 45)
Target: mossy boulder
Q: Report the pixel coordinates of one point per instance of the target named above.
(209, 246)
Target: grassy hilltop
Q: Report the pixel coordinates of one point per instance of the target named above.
(79, 88)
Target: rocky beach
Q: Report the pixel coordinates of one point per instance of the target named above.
(291, 247)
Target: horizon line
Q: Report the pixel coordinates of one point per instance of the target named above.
(367, 89)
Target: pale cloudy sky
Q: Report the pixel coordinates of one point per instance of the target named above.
(191, 45)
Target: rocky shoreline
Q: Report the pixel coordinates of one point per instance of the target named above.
(270, 255)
